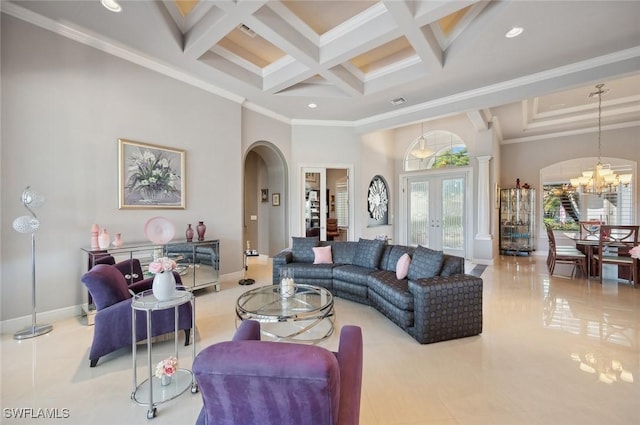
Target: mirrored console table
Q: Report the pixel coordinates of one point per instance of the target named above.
(198, 263)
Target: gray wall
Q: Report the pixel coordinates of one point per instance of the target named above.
(330, 147)
(64, 107)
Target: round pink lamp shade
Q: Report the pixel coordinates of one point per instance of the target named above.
(159, 230)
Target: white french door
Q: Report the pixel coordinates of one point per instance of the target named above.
(434, 211)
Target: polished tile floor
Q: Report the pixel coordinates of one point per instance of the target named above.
(554, 350)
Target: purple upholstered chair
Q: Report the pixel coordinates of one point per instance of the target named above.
(248, 381)
(112, 330)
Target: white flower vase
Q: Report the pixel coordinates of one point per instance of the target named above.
(164, 286)
(165, 380)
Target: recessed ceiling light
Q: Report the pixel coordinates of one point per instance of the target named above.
(111, 5)
(312, 105)
(514, 32)
(398, 101)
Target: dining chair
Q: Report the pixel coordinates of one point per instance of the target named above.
(614, 244)
(564, 255)
(590, 229)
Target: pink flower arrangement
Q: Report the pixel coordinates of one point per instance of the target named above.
(635, 251)
(167, 367)
(162, 265)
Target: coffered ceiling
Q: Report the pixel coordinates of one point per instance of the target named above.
(354, 58)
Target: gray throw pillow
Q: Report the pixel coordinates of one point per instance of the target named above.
(302, 249)
(368, 253)
(343, 251)
(425, 263)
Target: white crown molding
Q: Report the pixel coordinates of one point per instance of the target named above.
(322, 123)
(266, 112)
(557, 134)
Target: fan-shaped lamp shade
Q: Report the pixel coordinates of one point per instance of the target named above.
(32, 198)
(26, 224)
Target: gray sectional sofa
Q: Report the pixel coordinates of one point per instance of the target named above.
(435, 302)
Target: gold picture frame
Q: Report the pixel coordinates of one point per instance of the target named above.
(150, 176)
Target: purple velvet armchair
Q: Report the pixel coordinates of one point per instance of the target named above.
(248, 381)
(112, 330)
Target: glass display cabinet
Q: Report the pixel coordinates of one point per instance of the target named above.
(517, 221)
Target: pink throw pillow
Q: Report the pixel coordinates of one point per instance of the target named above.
(322, 255)
(402, 266)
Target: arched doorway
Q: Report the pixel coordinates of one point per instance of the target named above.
(564, 205)
(266, 188)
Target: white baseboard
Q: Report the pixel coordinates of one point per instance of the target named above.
(483, 261)
(12, 326)
(45, 317)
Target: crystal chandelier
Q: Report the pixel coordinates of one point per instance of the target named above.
(602, 179)
(422, 152)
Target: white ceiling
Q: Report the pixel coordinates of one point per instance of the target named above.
(352, 58)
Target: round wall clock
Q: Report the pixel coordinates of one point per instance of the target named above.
(378, 198)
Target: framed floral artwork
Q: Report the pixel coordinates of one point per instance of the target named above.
(151, 176)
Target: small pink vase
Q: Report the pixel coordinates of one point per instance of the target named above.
(117, 241)
(104, 239)
(95, 231)
(189, 233)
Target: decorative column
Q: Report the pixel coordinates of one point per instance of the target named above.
(484, 199)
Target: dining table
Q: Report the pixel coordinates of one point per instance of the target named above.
(588, 245)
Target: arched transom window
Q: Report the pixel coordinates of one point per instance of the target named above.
(436, 149)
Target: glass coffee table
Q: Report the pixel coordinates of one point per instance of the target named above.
(306, 316)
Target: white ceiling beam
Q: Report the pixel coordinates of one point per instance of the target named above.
(280, 33)
(285, 77)
(408, 73)
(216, 24)
(422, 39)
(428, 11)
(344, 80)
(222, 64)
(488, 17)
(478, 120)
(360, 37)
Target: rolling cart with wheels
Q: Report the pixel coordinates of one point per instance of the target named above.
(151, 392)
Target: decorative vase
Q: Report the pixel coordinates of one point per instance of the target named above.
(164, 286)
(95, 230)
(165, 380)
(189, 233)
(117, 241)
(201, 228)
(104, 239)
(287, 283)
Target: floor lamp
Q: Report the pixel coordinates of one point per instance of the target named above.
(28, 224)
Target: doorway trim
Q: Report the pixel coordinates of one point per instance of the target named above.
(300, 190)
